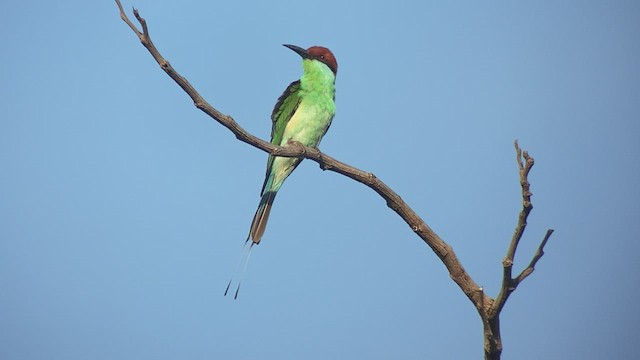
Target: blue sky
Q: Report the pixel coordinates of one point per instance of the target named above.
(123, 208)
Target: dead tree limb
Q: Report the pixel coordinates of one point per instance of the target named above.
(488, 308)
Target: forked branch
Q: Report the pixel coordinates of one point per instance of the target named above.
(509, 284)
(487, 308)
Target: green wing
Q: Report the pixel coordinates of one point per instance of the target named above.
(283, 111)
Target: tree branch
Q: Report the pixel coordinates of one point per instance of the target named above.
(537, 256)
(509, 284)
(326, 162)
(487, 308)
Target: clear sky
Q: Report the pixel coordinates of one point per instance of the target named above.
(123, 208)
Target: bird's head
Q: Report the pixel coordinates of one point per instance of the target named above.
(318, 53)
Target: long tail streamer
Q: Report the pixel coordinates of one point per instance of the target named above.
(244, 255)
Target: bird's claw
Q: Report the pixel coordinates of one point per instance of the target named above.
(297, 144)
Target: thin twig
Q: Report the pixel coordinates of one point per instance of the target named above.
(537, 256)
(125, 18)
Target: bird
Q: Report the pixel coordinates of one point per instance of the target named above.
(302, 114)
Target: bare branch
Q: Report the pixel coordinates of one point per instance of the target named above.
(525, 163)
(124, 17)
(537, 256)
(524, 169)
(326, 162)
(488, 308)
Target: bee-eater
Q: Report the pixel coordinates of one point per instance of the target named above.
(302, 114)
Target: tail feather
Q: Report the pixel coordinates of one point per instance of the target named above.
(259, 222)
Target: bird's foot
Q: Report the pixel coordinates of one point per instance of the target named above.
(297, 144)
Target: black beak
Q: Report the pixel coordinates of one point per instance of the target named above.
(302, 52)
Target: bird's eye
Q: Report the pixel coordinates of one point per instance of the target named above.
(322, 57)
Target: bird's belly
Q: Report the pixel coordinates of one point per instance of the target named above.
(307, 125)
